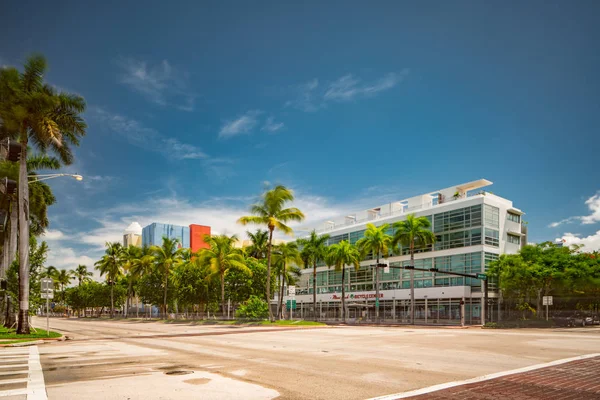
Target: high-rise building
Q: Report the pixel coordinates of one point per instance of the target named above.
(472, 229)
(133, 235)
(191, 237)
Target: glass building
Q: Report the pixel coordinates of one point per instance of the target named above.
(152, 234)
(472, 228)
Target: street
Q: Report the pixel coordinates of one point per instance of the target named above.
(155, 360)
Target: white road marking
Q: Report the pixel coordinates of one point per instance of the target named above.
(36, 388)
(447, 385)
(14, 366)
(13, 392)
(10, 381)
(24, 371)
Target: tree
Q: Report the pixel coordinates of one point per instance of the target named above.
(314, 249)
(286, 257)
(413, 232)
(166, 257)
(34, 112)
(339, 256)
(63, 278)
(131, 255)
(270, 212)
(377, 241)
(220, 257)
(82, 274)
(141, 266)
(50, 272)
(111, 265)
(260, 242)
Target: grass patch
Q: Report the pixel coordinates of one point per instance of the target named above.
(37, 334)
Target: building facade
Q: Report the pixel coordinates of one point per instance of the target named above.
(472, 229)
(191, 236)
(133, 235)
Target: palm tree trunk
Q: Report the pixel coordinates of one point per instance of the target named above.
(223, 311)
(315, 291)
(282, 293)
(137, 306)
(412, 282)
(23, 322)
(377, 289)
(268, 291)
(280, 300)
(165, 296)
(343, 294)
(112, 302)
(14, 234)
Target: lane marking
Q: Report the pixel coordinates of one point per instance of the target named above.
(14, 372)
(9, 381)
(14, 366)
(435, 388)
(13, 392)
(36, 388)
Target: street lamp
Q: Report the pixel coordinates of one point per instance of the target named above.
(43, 177)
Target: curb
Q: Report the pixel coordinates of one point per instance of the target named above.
(23, 344)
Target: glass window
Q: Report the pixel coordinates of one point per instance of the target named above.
(514, 239)
(492, 216)
(457, 219)
(492, 237)
(513, 217)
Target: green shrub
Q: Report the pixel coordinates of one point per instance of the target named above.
(254, 308)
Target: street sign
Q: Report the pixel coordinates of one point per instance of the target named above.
(483, 277)
(47, 284)
(290, 304)
(376, 302)
(291, 291)
(547, 300)
(47, 295)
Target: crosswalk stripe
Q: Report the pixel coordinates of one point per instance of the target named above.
(10, 381)
(25, 371)
(14, 366)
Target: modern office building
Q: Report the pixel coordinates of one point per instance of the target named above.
(133, 235)
(191, 236)
(472, 228)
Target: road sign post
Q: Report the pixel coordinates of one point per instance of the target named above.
(292, 294)
(47, 293)
(547, 301)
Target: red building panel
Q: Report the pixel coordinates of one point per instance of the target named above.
(197, 233)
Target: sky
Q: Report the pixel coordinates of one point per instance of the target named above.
(193, 106)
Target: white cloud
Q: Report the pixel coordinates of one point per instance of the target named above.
(161, 83)
(305, 97)
(240, 125)
(68, 258)
(54, 235)
(146, 138)
(348, 87)
(272, 126)
(593, 204)
(591, 242)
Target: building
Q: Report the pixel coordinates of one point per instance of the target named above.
(133, 235)
(191, 236)
(472, 228)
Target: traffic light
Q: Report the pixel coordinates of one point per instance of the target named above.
(7, 186)
(10, 150)
(434, 270)
(409, 267)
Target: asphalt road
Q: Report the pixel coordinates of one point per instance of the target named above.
(132, 359)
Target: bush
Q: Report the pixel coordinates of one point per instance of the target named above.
(254, 308)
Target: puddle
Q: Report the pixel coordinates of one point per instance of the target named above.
(198, 381)
(179, 372)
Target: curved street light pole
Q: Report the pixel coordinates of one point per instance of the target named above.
(43, 177)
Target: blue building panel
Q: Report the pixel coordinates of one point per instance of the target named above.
(152, 234)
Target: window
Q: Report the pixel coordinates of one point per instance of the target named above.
(453, 240)
(514, 239)
(492, 216)
(492, 237)
(513, 217)
(457, 219)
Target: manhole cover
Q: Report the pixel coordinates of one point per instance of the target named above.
(180, 372)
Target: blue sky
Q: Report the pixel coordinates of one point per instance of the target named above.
(192, 106)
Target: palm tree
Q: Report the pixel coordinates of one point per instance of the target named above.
(340, 255)
(165, 257)
(141, 266)
(220, 257)
(258, 248)
(50, 272)
(377, 242)
(33, 111)
(314, 249)
(82, 274)
(285, 259)
(111, 265)
(130, 255)
(63, 278)
(414, 232)
(270, 212)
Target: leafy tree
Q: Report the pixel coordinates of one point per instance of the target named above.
(260, 243)
(220, 257)
(166, 257)
(286, 258)
(111, 265)
(131, 255)
(338, 256)
(240, 285)
(255, 308)
(63, 278)
(314, 249)
(413, 232)
(377, 241)
(270, 212)
(82, 274)
(150, 287)
(33, 111)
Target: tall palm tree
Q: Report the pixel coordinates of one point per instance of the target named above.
(260, 240)
(376, 241)
(130, 256)
(166, 257)
(270, 212)
(141, 266)
(82, 274)
(63, 278)
(50, 272)
(111, 265)
(413, 232)
(220, 257)
(314, 249)
(286, 258)
(339, 256)
(33, 111)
